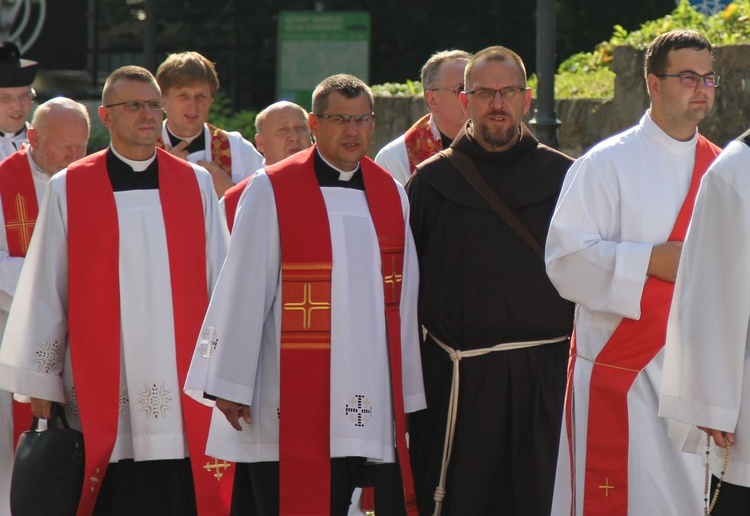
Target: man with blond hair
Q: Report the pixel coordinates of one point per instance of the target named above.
(189, 83)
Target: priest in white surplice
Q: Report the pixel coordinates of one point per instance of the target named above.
(58, 136)
(260, 318)
(706, 366)
(613, 248)
(442, 80)
(189, 83)
(128, 245)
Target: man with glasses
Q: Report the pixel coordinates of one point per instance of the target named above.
(16, 98)
(127, 248)
(442, 81)
(614, 246)
(310, 343)
(189, 83)
(494, 324)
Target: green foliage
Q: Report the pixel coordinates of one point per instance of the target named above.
(98, 138)
(222, 115)
(593, 84)
(588, 74)
(398, 89)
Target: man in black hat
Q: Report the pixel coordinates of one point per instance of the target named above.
(16, 96)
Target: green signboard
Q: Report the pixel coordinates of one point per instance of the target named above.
(315, 45)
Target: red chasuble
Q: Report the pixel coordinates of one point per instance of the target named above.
(232, 198)
(306, 263)
(420, 142)
(20, 210)
(221, 152)
(632, 346)
(93, 271)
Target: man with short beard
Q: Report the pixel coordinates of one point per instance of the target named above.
(485, 300)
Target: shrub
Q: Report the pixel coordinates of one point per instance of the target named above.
(590, 75)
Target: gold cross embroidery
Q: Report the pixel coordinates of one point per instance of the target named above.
(23, 223)
(307, 305)
(393, 278)
(217, 467)
(95, 480)
(606, 487)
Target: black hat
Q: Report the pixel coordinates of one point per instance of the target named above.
(14, 71)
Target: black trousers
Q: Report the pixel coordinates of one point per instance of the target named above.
(733, 500)
(256, 486)
(148, 488)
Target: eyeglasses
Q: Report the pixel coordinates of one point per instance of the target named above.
(458, 89)
(138, 105)
(365, 119)
(487, 94)
(23, 98)
(690, 80)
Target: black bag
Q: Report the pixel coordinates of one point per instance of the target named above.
(48, 469)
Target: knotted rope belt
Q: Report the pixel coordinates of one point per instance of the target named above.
(456, 355)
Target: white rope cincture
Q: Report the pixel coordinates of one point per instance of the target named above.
(456, 355)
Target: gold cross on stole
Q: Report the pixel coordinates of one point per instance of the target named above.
(606, 487)
(393, 278)
(217, 466)
(95, 480)
(307, 305)
(22, 223)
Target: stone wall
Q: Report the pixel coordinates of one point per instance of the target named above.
(588, 121)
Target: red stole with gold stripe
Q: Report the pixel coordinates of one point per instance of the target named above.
(93, 258)
(632, 346)
(221, 152)
(20, 210)
(420, 142)
(304, 433)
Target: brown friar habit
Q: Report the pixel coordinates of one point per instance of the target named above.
(481, 285)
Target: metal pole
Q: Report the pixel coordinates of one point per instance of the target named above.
(149, 36)
(545, 122)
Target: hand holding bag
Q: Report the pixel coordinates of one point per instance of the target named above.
(48, 469)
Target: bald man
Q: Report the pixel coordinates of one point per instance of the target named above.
(280, 130)
(58, 134)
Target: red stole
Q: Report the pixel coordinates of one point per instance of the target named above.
(232, 198)
(420, 142)
(632, 346)
(95, 341)
(304, 433)
(20, 210)
(221, 153)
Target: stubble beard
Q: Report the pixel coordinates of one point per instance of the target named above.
(499, 138)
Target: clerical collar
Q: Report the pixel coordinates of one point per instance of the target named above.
(328, 175)
(195, 143)
(137, 166)
(124, 177)
(13, 135)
